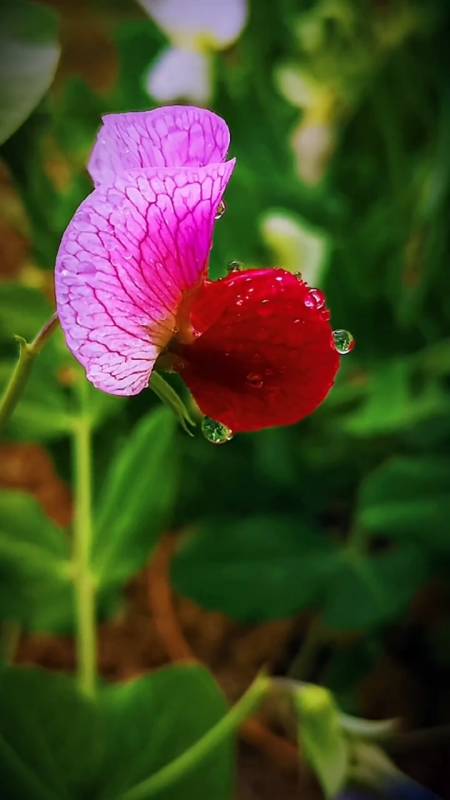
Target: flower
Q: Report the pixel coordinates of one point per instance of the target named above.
(196, 29)
(255, 348)
(296, 244)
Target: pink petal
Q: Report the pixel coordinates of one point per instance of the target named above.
(172, 136)
(130, 252)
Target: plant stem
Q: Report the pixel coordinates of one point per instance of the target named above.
(194, 755)
(18, 380)
(9, 639)
(84, 583)
(304, 661)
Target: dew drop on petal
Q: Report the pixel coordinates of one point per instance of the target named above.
(221, 208)
(235, 266)
(265, 309)
(315, 299)
(343, 342)
(255, 380)
(215, 432)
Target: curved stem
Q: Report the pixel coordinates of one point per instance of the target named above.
(27, 353)
(304, 661)
(84, 583)
(195, 754)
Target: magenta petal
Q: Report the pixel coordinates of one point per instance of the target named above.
(172, 136)
(130, 252)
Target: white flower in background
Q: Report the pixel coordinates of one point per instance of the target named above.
(313, 143)
(196, 29)
(313, 139)
(296, 244)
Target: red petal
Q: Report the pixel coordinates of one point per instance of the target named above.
(263, 355)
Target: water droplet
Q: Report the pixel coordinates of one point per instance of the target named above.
(221, 208)
(279, 279)
(216, 432)
(235, 266)
(239, 301)
(343, 342)
(266, 309)
(315, 299)
(255, 380)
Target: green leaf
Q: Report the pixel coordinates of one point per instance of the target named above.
(29, 53)
(35, 564)
(408, 499)
(151, 721)
(41, 748)
(393, 404)
(321, 737)
(57, 745)
(368, 591)
(137, 499)
(253, 569)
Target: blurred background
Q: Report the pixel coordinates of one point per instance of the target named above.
(321, 551)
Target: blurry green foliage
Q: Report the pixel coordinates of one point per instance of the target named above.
(136, 499)
(35, 565)
(110, 745)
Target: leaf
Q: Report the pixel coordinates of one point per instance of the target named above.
(392, 404)
(131, 731)
(253, 569)
(35, 564)
(368, 591)
(29, 53)
(137, 499)
(408, 499)
(321, 737)
(58, 757)
(151, 721)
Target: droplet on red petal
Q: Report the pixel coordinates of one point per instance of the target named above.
(315, 299)
(279, 365)
(343, 342)
(235, 266)
(255, 380)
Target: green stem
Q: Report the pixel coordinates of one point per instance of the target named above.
(303, 664)
(84, 583)
(27, 353)
(194, 755)
(9, 639)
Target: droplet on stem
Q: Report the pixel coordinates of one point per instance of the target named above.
(343, 342)
(215, 432)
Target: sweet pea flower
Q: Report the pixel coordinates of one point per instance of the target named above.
(255, 348)
(196, 30)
